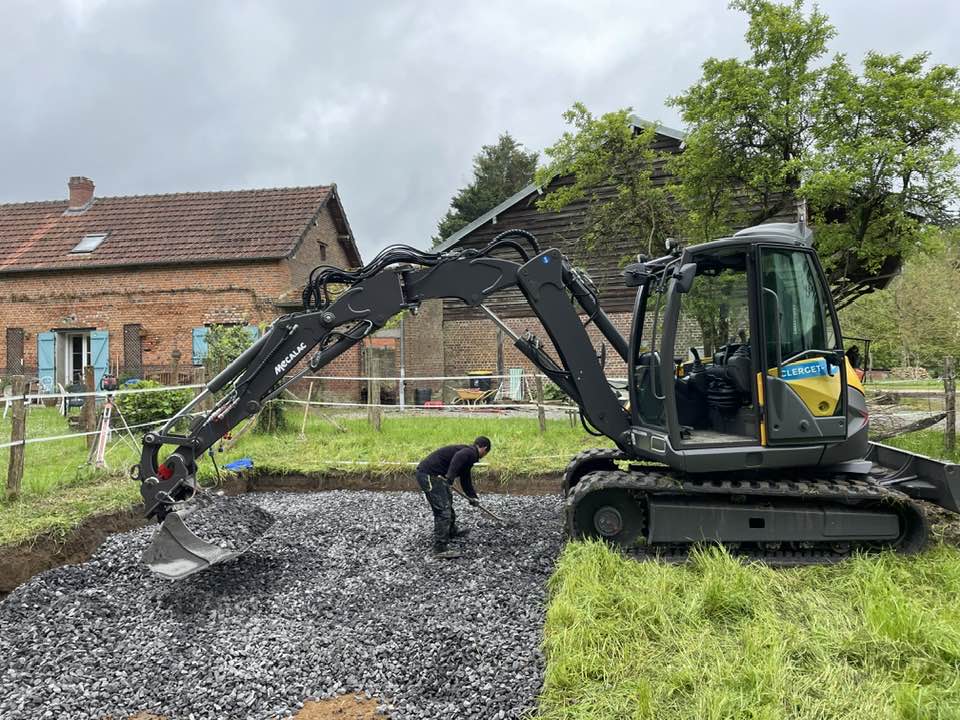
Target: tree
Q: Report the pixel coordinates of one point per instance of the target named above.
(609, 162)
(499, 171)
(750, 120)
(916, 321)
(872, 154)
(883, 175)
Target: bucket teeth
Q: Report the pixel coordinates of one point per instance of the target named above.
(206, 531)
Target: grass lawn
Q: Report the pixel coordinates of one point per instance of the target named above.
(870, 638)
(60, 490)
(518, 447)
(905, 384)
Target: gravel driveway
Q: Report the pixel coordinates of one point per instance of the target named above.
(340, 596)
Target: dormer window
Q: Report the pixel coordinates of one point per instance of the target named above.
(90, 243)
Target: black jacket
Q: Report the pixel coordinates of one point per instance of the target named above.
(451, 462)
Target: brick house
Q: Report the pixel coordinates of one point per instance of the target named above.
(447, 338)
(131, 284)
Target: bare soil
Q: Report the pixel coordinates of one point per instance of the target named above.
(345, 707)
(20, 562)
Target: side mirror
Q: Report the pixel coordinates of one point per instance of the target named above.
(684, 277)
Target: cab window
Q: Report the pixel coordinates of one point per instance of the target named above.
(805, 321)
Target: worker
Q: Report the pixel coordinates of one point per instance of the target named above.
(435, 474)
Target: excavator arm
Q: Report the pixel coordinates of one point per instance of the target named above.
(399, 279)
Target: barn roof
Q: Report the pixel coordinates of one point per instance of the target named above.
(491, 215)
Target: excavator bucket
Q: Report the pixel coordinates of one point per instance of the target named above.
(206, 531)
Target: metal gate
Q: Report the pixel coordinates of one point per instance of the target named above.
(132, 351)
(14, 351)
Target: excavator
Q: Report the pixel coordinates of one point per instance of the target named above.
(741, 421)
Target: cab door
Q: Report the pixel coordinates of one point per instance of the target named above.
(805, 385)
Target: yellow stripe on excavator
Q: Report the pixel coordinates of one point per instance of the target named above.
(817, 388)
(763, 424)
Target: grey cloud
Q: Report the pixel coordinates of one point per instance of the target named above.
(390, 100)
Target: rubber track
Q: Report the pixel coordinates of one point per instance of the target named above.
(848, 492)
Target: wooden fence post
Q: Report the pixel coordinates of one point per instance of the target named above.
(950, 405)
(18, 434)
(541, 415)
(89, 414)
(306, 410)
(374, 414)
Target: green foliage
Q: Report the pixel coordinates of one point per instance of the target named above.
(870, 638)
(750, 120)
(872, 154)
(499, 171)
(719, 305)
(610, 166)
(519, 448)
(553, 394)
(148, 407)
(915, 321)
(272, 419)
(224, 345)
(884, 168)
(59, 490)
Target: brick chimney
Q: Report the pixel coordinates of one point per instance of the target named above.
(81, 193)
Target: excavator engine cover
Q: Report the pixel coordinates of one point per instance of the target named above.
(204, 531)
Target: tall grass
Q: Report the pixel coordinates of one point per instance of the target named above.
(871, 638)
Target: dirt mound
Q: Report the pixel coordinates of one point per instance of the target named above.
(345, 707)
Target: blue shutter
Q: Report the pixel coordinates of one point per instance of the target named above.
(200, 344)
(99, 354)
(46, 370)
(253, 331)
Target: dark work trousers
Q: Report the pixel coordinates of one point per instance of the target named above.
(440, 497)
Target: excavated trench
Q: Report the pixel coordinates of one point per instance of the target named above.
(341, 598)
(337, 613)
(21, 561)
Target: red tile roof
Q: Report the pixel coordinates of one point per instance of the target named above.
(160, 229)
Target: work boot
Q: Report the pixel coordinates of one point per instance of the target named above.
(445, 553)
(458, 533)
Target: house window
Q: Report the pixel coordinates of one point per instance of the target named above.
(90, 242)
(133, 350)
(14, 351)
(323, 251)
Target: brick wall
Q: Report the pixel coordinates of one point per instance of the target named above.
(306, 256)
(424, 347)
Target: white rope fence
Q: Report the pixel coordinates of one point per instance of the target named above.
(61, 396)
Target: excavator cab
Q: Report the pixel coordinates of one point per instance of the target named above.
(738, 357)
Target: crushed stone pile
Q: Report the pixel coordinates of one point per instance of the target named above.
(340, 596)
(228, 522)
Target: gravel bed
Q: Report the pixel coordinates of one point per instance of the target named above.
(339, 596)
(228, 522)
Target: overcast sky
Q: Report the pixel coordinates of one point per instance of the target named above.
(390, 100)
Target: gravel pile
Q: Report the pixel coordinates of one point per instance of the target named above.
(227, 522)
(339, 596)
